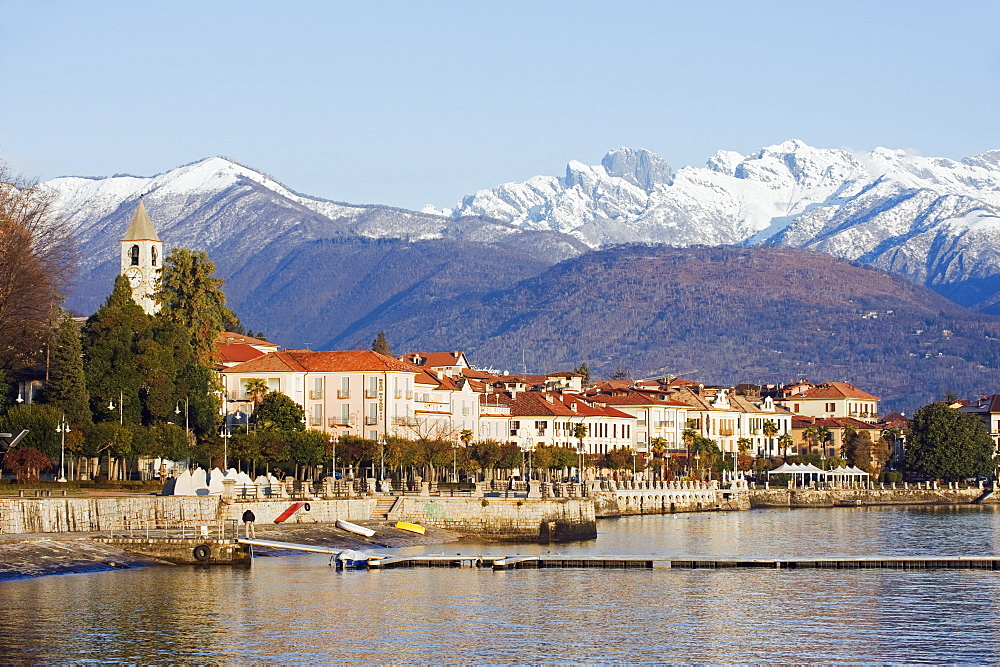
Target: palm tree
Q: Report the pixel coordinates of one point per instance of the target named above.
(256, 390)
(690, 436)
(580, 431)
(658, 445)
(743, 445)
(811, 435)
(769, 429)
(785, 442)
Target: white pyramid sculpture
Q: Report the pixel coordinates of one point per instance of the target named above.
(215, 482)
(200, 480)
(184, 484)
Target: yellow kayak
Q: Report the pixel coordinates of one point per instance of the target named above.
(412, 527)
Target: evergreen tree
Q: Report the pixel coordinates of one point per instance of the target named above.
(280, 412)
(584, 370)
(381, 344)
(110, 345)
(66, 389)
(192, 296)
(947, 443)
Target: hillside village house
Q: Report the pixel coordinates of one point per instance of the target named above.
(830, 399)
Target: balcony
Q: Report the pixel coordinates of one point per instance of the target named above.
(641, 423)
(725, 431)
(315, 421)
(334, 421)
(343, 393)
(371, 393)
(398, 393)
(314, 394)
(371, 421)
(409, 395)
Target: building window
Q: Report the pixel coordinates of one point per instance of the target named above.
(345, 388)
(134, 254)
(514, 427)
(345, 414)
(831, 407)
(317, 414)
(153, 255)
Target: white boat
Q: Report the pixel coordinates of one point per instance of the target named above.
(354, 528)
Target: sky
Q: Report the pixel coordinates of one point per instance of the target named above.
(413, 103)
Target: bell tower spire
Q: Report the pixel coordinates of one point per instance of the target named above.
(142, 258)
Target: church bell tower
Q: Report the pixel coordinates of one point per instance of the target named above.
(142, 259)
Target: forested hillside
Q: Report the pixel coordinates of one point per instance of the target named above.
(720, 315)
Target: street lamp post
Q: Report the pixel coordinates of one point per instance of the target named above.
(225, 450)
(63, 429)
(121, 421)
(187, 421)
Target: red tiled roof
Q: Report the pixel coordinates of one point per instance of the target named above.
(339, 361)
(833, 422)
(834, 390)
(237, 352)
(535, 403)
(631, 398)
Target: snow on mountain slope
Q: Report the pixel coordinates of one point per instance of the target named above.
(932, 219)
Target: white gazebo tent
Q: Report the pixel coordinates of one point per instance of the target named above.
(851, 474)
(796, 469)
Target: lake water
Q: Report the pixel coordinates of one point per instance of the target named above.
(296, 609)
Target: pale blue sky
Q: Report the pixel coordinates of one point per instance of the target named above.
(408, 103)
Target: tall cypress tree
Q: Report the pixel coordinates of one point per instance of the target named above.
(66, 389)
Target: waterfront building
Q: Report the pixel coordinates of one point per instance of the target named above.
(824, 436)
(829, 400)
(656, 416)
(549, 418)
(360, 392)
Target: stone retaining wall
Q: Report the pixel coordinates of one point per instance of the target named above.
(552, 520)
(633, 498)
(72, 515)
(804, 497)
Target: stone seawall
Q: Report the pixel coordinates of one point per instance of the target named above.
(559, 519)
(634, 498)
(551, 520)
(840, 497)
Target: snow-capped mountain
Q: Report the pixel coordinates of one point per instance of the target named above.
(934, 220)
(240, 215)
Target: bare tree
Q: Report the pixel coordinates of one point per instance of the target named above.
(37, 259)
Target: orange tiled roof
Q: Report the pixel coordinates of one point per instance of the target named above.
(833, 422)
(338, 361)
(237, 353)
(834, 390)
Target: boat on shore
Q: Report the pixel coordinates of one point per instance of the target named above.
(411, 527)
(354, 528)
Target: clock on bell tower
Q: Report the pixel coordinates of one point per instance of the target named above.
(142, 252)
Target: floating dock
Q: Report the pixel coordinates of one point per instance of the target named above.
(617, 562)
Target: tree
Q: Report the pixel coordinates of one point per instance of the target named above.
(192, 296)
(621, 373)
(584, 370)
(280, 412)
(948, 443)
(37, 257)
(862, 452)
(26, 462)
(66, 389)
(466, 435)
(769, 429)
(256, 390)
(110, 342)
(381, 344)
(306, 449)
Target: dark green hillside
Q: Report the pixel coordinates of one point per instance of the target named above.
(328, 294)
(729, 315)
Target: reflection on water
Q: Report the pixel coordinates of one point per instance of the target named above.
(297, 609)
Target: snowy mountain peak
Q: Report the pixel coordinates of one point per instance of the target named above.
(639, 167)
